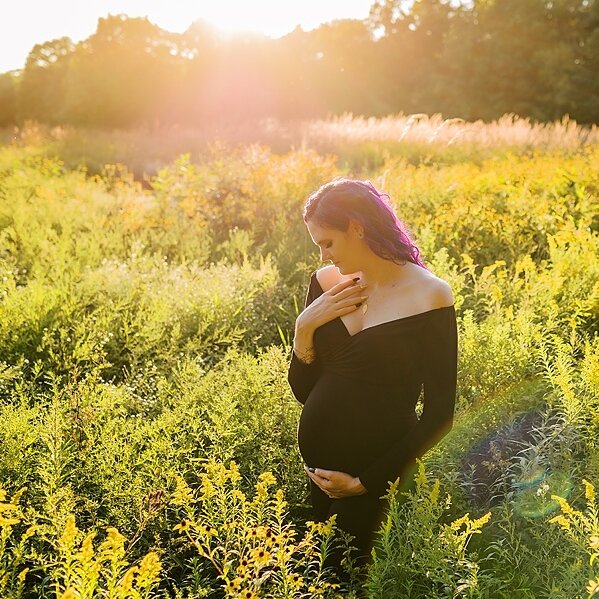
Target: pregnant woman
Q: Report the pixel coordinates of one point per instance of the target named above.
(377, 331)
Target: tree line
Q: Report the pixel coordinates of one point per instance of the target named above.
(474, 59)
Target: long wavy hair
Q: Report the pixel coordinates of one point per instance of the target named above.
(336, 202)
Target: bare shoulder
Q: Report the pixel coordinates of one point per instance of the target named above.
(438, 292)
(328, 276)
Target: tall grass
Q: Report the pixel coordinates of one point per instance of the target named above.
(359, 143)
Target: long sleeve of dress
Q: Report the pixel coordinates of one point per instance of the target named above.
(302, 377)
(438, 357)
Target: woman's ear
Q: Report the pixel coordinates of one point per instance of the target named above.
(356, 228)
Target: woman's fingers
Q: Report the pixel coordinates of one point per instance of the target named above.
(345, 288)
(350, 296)
(318, 480)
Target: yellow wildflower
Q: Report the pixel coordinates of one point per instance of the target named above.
(594, 542)
(207, 487)
(457, 523)
(114, 542)
(183, 525)
(233, 585)
(87, 549)
(239, 495)
(564, 505)
(126, 584)
(23, 574)
(183, 494)
(593, 587)
(561, 520)
(70, 532)
(234, 474)
(149, 570)
(207, 530)
(296, 581)
(260, 555)
(267, 478)
(315, 591)
(480, 522)
(589, 490)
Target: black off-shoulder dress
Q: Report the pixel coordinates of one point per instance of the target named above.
(359, 399)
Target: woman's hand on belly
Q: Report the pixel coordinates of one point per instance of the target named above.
(336, 484)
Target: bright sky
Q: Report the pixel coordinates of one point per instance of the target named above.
(30, 22)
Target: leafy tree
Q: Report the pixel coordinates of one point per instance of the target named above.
(8, 105)
(43, 85)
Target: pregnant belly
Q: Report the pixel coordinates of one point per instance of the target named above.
(345, 425)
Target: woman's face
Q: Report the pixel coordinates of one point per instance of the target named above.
(344, 249)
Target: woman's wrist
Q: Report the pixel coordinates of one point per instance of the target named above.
(306, 356)
(303, 345)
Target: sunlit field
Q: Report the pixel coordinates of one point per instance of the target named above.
(358, 143)
(149, 285)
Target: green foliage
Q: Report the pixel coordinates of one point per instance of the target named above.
(141, 336)
(583, 531)
(419, 553)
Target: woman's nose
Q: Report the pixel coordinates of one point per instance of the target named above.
(324, 255)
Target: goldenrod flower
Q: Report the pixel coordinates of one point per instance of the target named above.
(589, 490)
(149, 570)
(561, 520)
(267, 478)
(239, 495)
(114, 543)
(207, 487)
(70, 532)
(126, 583)
(234, 474)
(183, 494)
(457, 523)
(479, 522)
(564, 505)
(87, 549)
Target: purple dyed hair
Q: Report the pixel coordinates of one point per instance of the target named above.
(336, 202)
